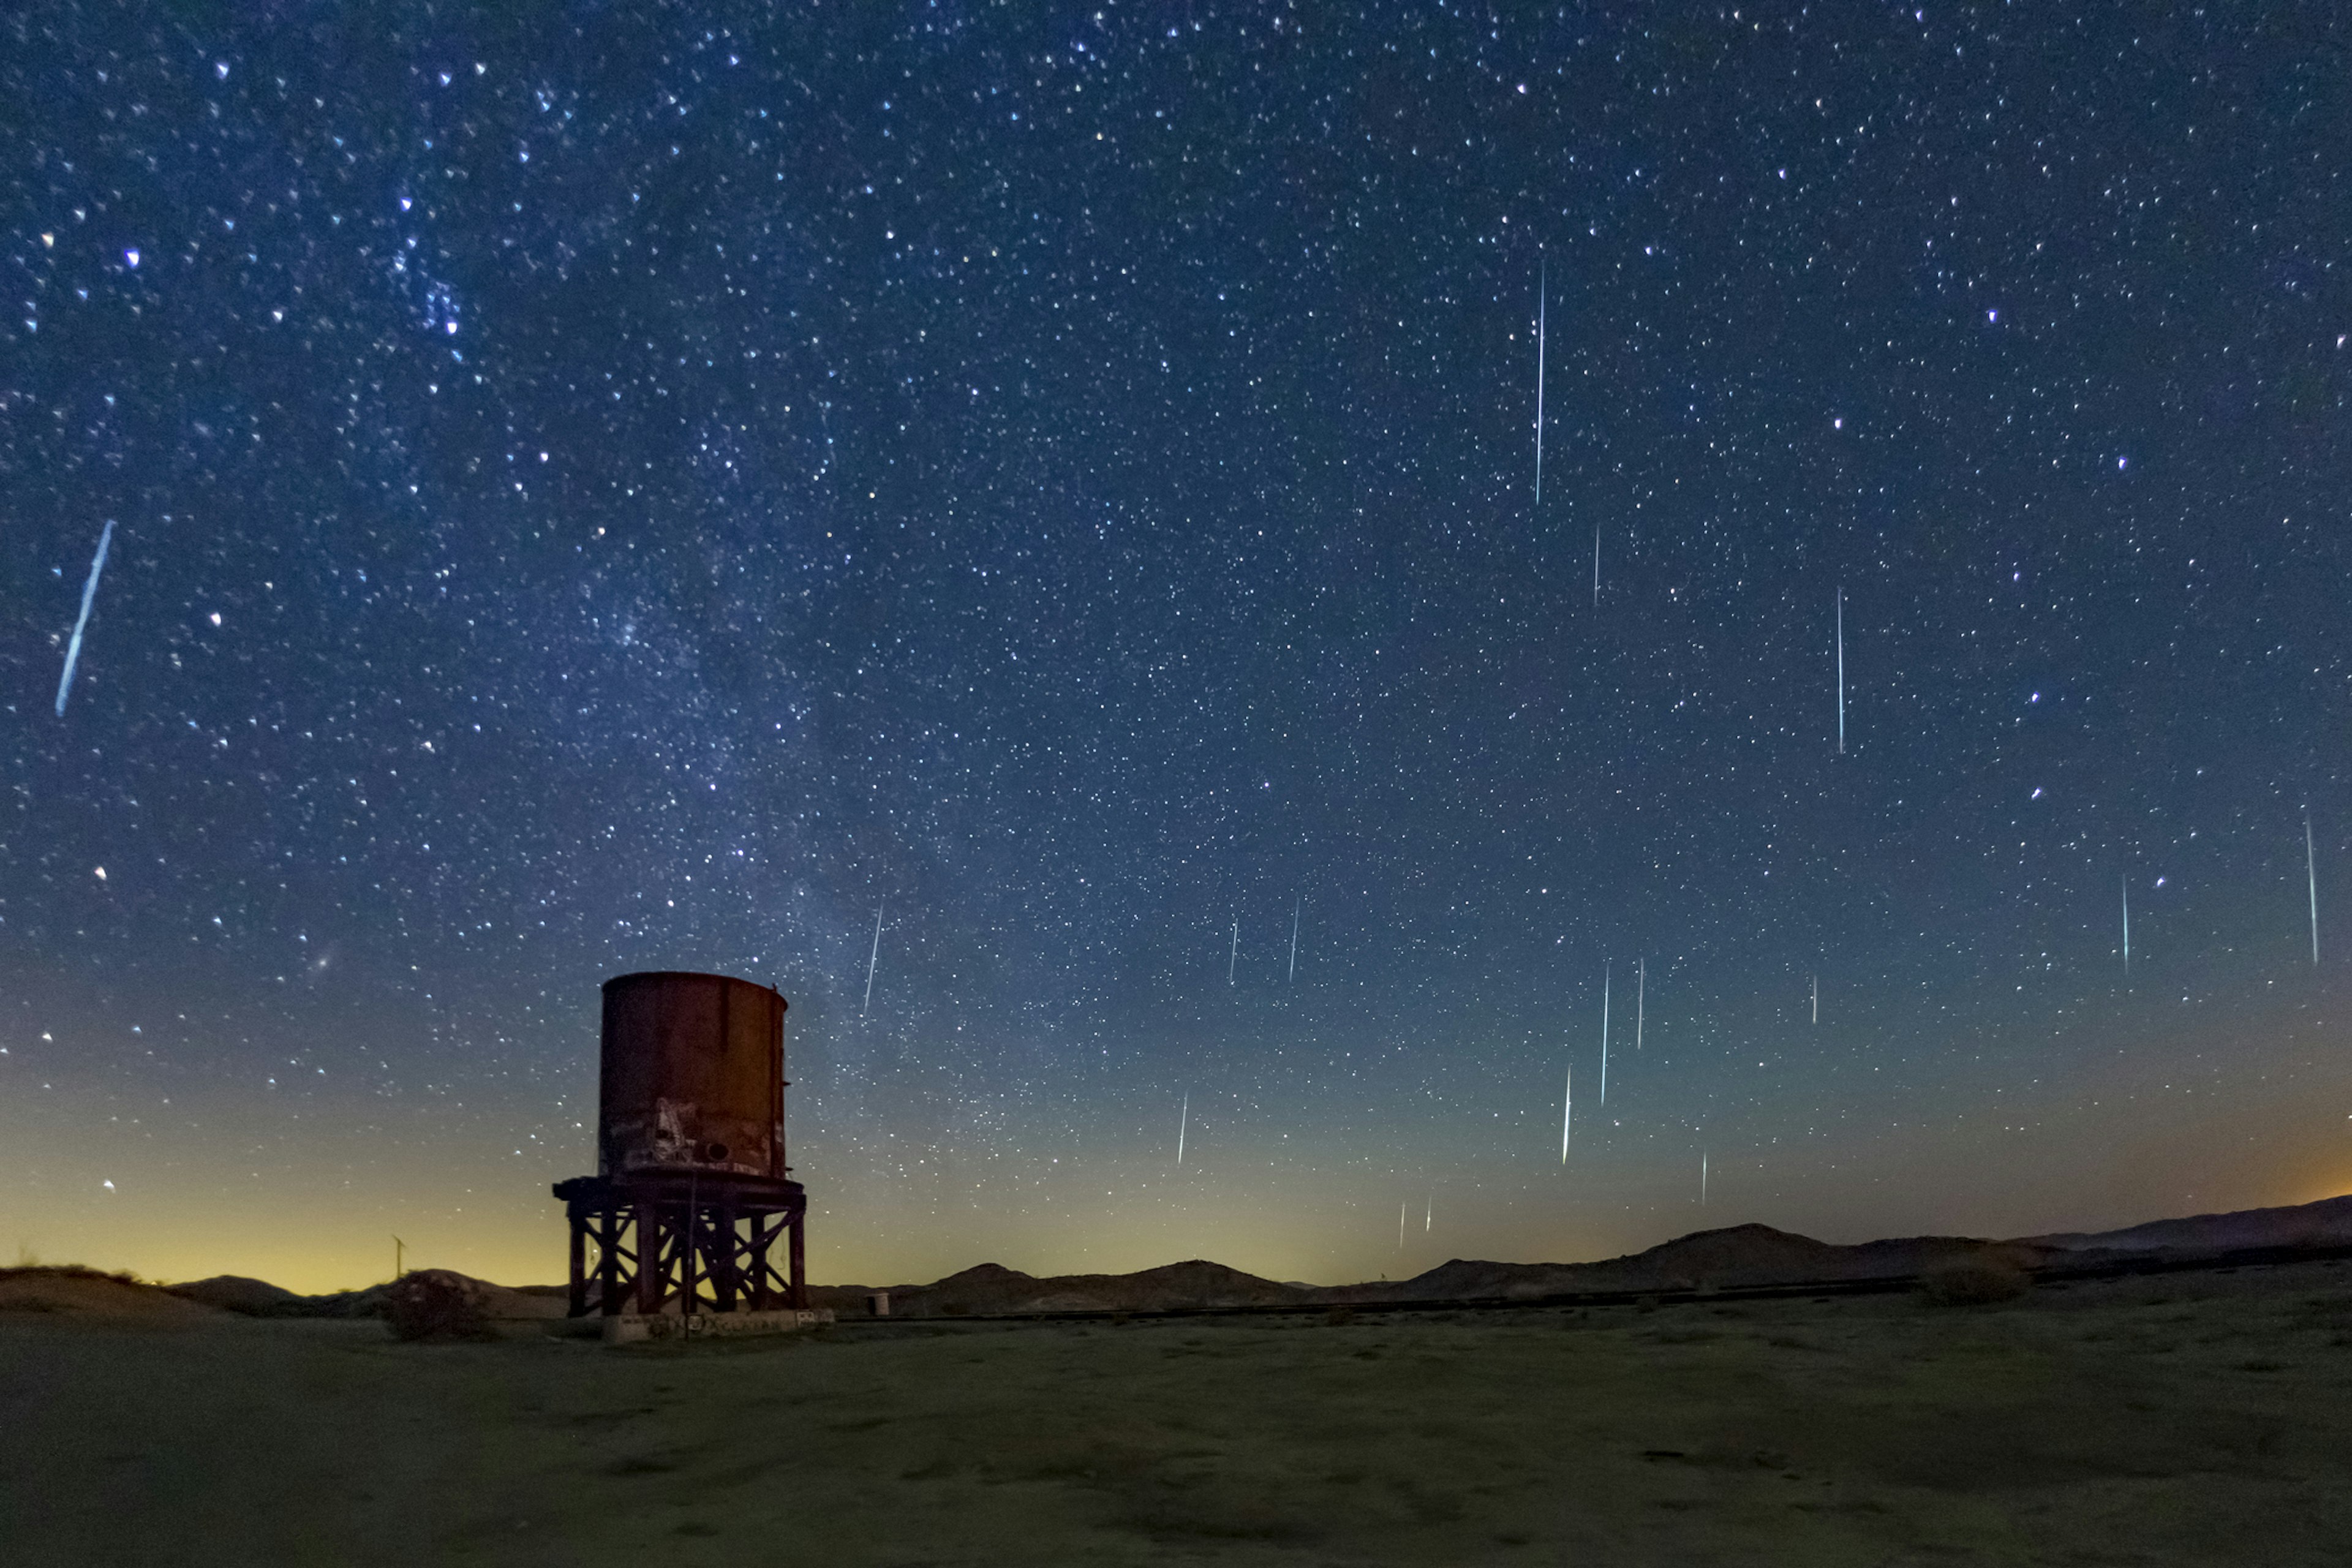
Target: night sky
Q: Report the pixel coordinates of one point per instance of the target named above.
(600, 487)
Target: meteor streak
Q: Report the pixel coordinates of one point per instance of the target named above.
(1596, 566)
(1234, 958)
(1293, 938)
(1567, 1110)
(1641, 991)
(1183, 1118)
(1841, 670)
(88, 594)
(1817, 997)
(1604, 1034)
(1702, 1178)
(872, 959)
(2127, 887)
(1543, 292)
(2310, 875)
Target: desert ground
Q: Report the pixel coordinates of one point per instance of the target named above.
(2200, 1417)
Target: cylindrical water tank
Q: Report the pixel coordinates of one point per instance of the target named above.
(693, 1075)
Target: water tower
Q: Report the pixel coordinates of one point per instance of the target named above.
(691, 1191)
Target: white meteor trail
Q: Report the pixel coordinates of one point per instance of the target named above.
(1543, 292)
(1817, 998)
(1702, 1178)
(1234, 958)
(1293, 939)
(872, 959)
(2126, 886)
(1841, 670)
(1400, 1208)
(89, 594)
(1429, 1214)
(1183, 1119)
(1641, 994)
(1596, 566)
(1567, 1111)
(2311, 873)
(1604, 1034)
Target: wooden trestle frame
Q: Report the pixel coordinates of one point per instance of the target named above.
(683, 1242)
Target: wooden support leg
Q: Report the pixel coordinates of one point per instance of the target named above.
(608, 1263)
(799, 1284)
(580, 1222)
(649, 1260)
(722, 1255)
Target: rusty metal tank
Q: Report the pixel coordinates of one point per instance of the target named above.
(693, 1075)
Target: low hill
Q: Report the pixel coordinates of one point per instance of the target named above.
(1742, 1256)
(259, 1298)
(71, 1290)
(989, 1290)
(237, 1293)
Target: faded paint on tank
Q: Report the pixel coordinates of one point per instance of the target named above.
(693, 1075)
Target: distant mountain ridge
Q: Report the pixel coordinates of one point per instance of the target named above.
(2327, 1223)
(1734, 1258)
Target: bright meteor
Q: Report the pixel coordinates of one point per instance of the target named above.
(89, 594)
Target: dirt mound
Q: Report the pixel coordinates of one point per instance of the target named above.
(71, 1290)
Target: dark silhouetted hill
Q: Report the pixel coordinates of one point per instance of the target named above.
(2327, 1223)
(989, 1290)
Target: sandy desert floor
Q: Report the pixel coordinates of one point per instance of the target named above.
(2187, 1418)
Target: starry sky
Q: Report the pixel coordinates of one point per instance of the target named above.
(604, 487)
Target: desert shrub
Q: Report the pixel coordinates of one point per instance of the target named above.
(1975, 1281)
(431, 1304)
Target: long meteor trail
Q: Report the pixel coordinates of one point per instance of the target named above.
(1567, 1110)
(1234, 958)
(1604, 1034)
(1183, 1119)
(89, 594)
(1841, 670)
(2310, 875)
(1641, 991)
(872, 959)
(1293, 939)
(1543, 292)
(2127, 887)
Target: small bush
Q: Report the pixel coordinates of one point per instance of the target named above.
(1975, 1281)
(432, 1304)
